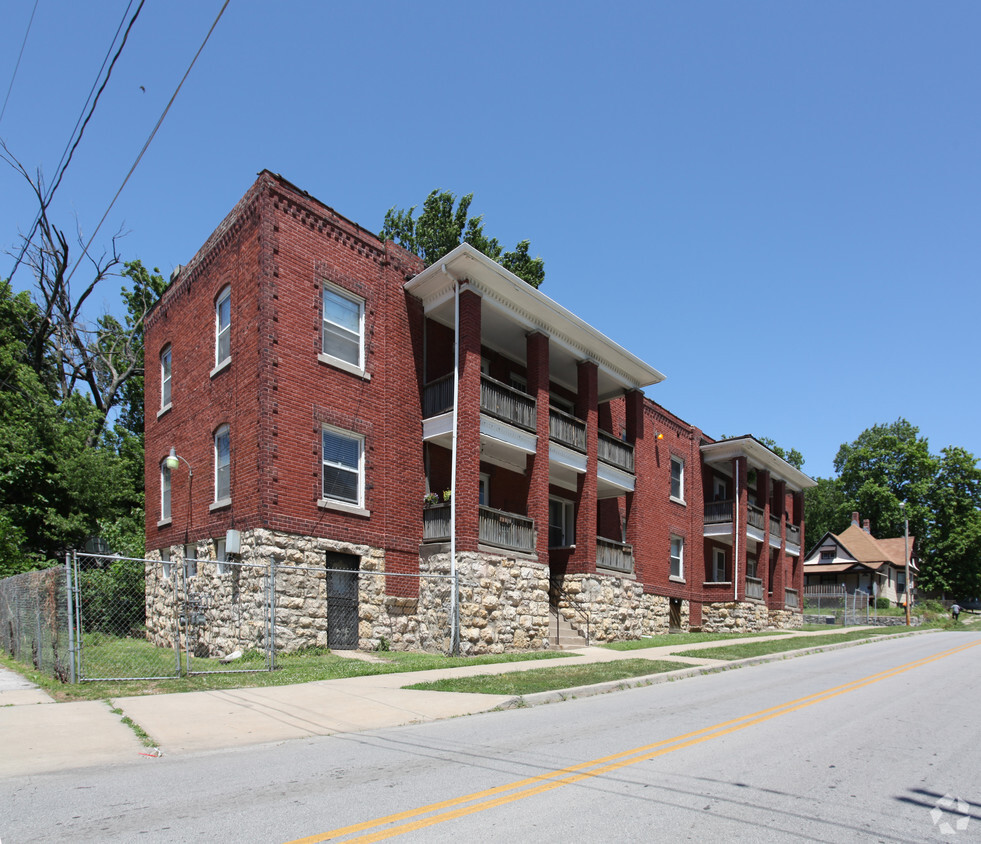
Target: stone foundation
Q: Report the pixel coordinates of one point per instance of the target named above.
(747, 617)
(609, 607)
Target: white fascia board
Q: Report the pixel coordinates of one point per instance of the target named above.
(759, 455)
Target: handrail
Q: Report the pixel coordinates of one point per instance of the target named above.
(755, 516)
(754, 588)
(506, 403)
(717, 512)
(618, 556)
(555, 589)
(437, 396)
(614, 451)
(566, 429)
(506, 530)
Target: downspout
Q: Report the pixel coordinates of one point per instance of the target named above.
(454, 596)
(735, 555)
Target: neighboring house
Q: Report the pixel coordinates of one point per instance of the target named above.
(317, 369)
(856, 561)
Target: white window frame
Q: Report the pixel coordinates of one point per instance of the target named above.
(224, 432)
(190, 560)
(719, 489)
(336, 502)
(166, 490)
(221, 561)
(166, 362)
(483, 489)
(718, 565)
(165, 565)
(223, 332)
(568, 526)
(355, 367)
(679, 462)
(677, 558)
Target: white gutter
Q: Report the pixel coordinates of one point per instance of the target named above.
(735, 554)
(454, 608)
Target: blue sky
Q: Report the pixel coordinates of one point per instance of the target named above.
(774, 203)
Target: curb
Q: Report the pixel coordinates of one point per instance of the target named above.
(559, 695)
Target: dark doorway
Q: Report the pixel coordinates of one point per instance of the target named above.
(674, 617)
(342, 601)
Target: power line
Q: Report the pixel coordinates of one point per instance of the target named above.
(19, 55)
(149, 139)
(70, 147)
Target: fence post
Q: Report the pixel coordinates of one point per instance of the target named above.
(71, 619)
(455, 632)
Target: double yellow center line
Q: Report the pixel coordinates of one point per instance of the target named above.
(469, 804)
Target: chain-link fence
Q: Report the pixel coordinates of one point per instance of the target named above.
(835, 605)
(34, 621)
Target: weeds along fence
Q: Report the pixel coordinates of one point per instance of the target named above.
(118, 618)
(35, 621)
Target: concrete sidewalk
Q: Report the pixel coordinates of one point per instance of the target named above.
(38, 735)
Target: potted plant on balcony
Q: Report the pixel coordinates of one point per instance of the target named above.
(447, 495)
(430, 499)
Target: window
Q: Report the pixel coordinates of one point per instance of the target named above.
(165, 563)
(343, 328)
(223, 326)
(190, 560)
(223, 480)
(222, 564)
(678, 479)
(827, 555)
(164, 493)
(165, 379)
(483, 490)
(343, 457)
(561, 523)
(718, 489)
(519, 382)
(718, 565)
(677, 558)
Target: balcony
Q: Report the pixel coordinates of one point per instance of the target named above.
(792, 600)
(507, 404)
(565, 429)
(507, 530)
(618, 556)
(615, 452)
(754, 517)
(754, 588)
(718, 512)
(436, 523)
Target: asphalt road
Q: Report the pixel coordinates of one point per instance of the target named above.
(860, 744)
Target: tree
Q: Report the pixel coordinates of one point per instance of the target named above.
(793, 456)
(953, 545)
(441, 228)
(825, 509)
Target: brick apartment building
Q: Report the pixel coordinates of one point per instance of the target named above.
(303, 371)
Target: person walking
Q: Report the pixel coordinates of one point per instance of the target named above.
(955, 611)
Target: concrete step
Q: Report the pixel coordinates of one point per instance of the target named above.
(567, 638)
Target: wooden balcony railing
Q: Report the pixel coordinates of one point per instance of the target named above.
(718, 512)
(437, 396)
(792, 599)
(774, 526)
(755, 517)
(754, 588)
(566, 429)
(793, 533)
(611, 554)
(436, 523)
(506, 403)
(615, 452)
(507, 530)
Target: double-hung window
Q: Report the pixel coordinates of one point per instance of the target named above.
(343, 329)
(343, 461)
(165, 563)
(223, 326)
(223, 461)
(678, 479)
(718, 565)
(165, 357)
(222, 563)
(677, 558)
(164, 492)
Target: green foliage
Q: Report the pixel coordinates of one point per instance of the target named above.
(441, 227)
(793, 456)
(113, 599)
(825, 509)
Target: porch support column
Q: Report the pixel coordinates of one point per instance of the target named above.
(763, 500)
(781, 574)
(740, 508)
(643, 473)
(467, 490)
(797, 514)
(583, 559)
(537, 463)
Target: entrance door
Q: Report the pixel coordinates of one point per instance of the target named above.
(342, 601)
(674, 617)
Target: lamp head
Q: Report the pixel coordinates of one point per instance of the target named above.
(171, 460)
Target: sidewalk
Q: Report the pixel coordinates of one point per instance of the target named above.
(39, 735)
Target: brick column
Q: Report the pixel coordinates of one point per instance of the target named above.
(740, 511)
(587, 408)
(780, 581)
(467, 489)
(644, 475)
(538, 384)
(763, 500)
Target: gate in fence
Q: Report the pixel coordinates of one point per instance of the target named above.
(834, 604)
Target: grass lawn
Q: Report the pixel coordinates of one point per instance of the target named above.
(791, 643)
(104, 655)
(548, 679)
(671, 639)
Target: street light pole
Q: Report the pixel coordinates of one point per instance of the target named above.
(173, 461)
(902, 506)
